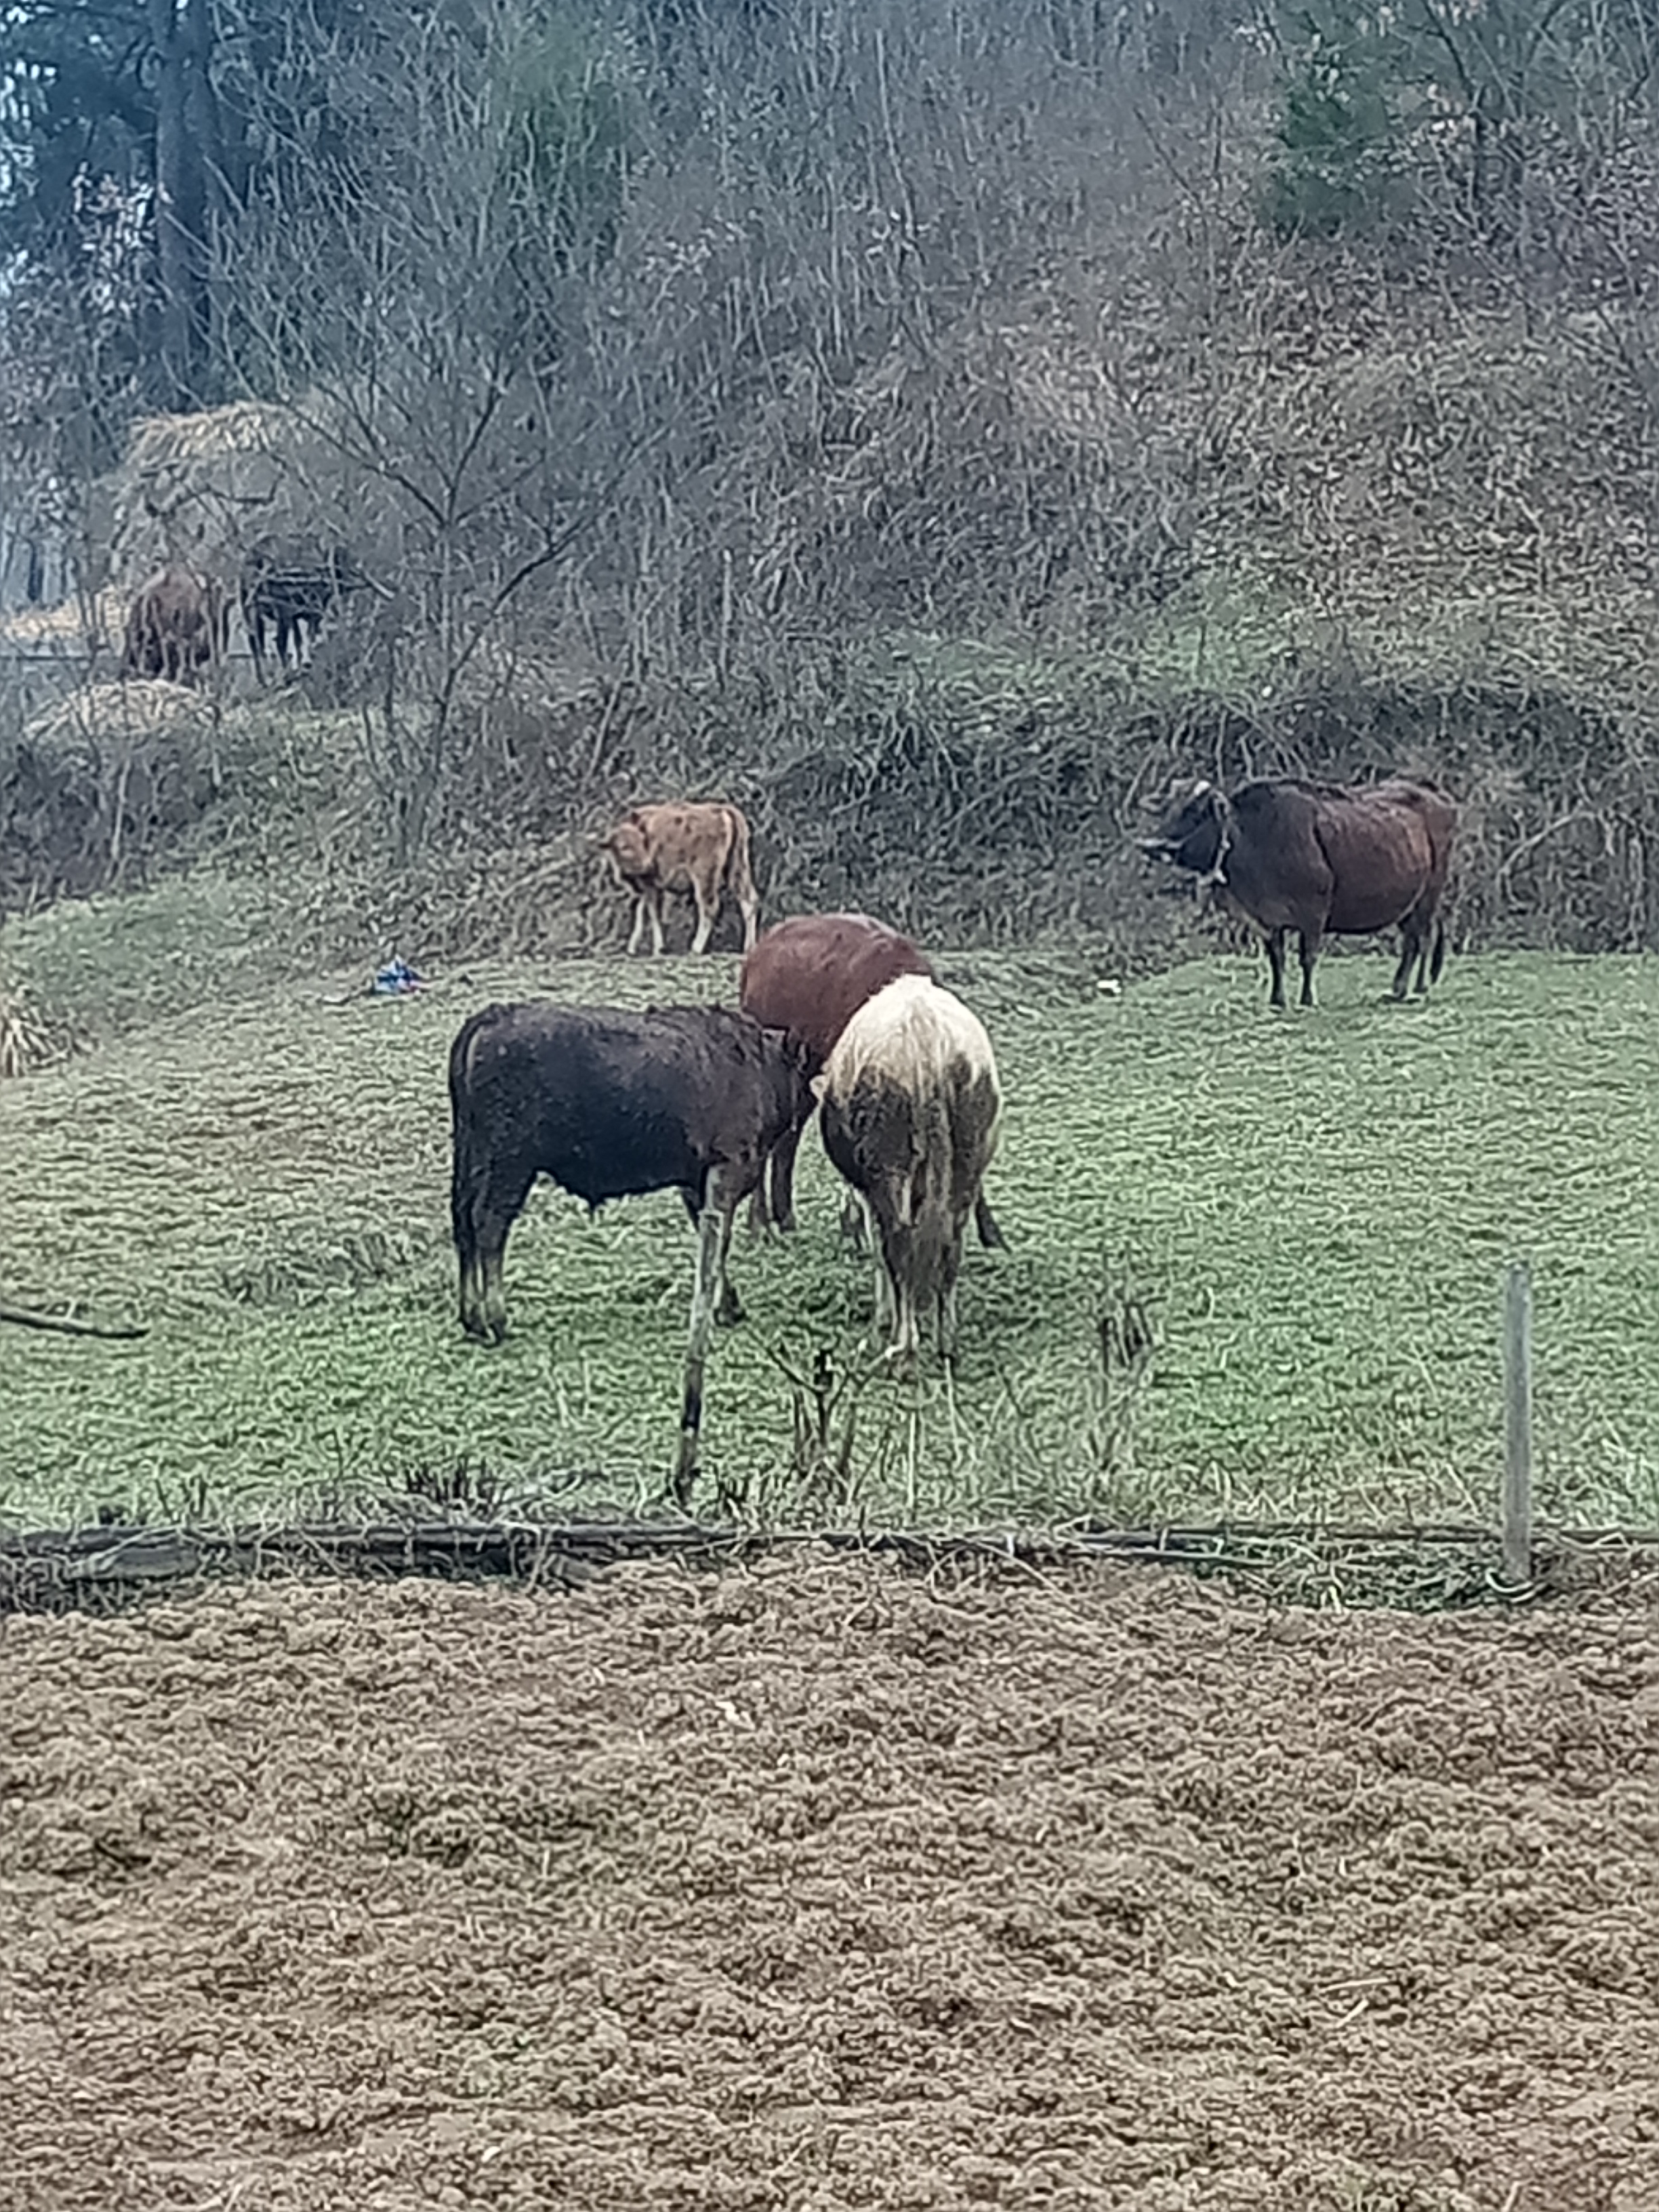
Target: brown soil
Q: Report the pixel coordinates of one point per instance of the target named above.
(817, 1887)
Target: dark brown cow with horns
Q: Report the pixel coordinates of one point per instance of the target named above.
(610, 1104)
(1323, 860)
(179, 623)
(809, 975)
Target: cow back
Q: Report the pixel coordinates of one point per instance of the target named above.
(911, 1110)
(917, 1040)
(1301, 855)
(1382, 852)
(675, 845)
(612, 1103)
(811, 974)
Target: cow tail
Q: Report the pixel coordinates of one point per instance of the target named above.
(739, 875)
(467, 1167)
(930, 1213)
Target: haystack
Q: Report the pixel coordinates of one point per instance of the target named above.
(100, 712)
(27, 1041)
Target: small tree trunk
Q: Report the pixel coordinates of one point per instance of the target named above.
(181, 34)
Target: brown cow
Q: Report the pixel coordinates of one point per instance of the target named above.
(609, 1104)
(179, 623)
(809, 975)
(911, 1105)
(703, 850)
(1321, 859)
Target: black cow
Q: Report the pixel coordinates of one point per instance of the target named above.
(610, 1104)
(1321, 859)
(291, 586)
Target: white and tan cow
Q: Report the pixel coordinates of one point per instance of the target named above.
(702, 850)
(911, 1107)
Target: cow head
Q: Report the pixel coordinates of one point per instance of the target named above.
(628, 846)
(1193, 830)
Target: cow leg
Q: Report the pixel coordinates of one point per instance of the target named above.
(886, 1292)
(488, 1318)
(637, 935)
(729, 1312)
(852, 1226)
(708, 913)
(1276, 962)
(750, 908)
(655, 896)
(1417, 932)
(898, 1265)
(782, 1172)
(774, 1202)
(949, 1270)
(760, 1218)
(1434, 954)
(1309, 941)
(1410, 949)
(720, 1195)
(483, 1207)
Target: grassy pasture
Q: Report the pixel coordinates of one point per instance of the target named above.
(1313, 1210)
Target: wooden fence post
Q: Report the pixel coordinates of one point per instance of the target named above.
(1517, 1424)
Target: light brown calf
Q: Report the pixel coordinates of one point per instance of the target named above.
(702, 850)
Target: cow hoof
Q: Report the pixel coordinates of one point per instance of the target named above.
(728, 1313)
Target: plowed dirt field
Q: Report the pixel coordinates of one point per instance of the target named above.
(820, 1886)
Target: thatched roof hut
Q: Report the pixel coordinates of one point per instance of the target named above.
(203, 487)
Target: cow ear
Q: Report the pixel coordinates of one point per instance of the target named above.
(818, 1085)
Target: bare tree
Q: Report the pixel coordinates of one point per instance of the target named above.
(473, 444)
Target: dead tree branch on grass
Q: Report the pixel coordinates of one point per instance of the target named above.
(67, 1325)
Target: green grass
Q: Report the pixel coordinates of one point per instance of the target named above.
(112, 963)
(1313, 1208)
